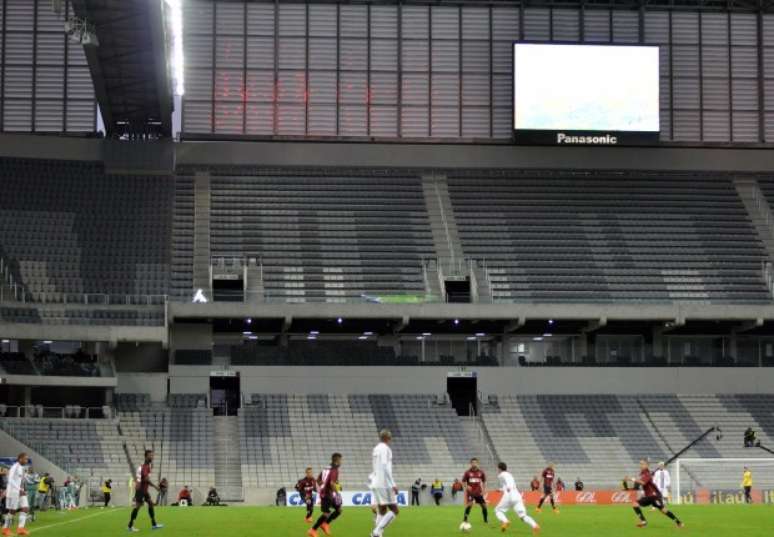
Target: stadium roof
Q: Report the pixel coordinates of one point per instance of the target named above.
(129, 67)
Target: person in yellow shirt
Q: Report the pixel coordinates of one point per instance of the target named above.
(107, 491)
(747, 485)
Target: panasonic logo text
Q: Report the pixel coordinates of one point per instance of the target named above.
(605, 139)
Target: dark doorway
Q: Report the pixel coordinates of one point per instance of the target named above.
(225, 395)
(228, 290)
(458, 291)
(463, 394)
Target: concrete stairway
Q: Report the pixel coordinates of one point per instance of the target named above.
(476, 436)
(758, 208)
(201, 242)
(228, 458)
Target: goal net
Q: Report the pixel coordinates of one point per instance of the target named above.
(692, 477)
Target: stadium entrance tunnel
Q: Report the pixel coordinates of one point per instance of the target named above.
(463, 392)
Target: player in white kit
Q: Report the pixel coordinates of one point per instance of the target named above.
(511, 500)
(16, 496)
(382, 485)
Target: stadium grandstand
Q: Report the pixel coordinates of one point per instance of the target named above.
(247, 234)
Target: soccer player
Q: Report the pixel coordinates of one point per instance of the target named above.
(141, 493)
(16, 497)
(747, 485)
(474, 479)
(330, 497)
(382, 485)
(549, 474)
(651, 496)
(306, 487)
(511, 500)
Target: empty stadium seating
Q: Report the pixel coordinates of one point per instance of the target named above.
(61, 315)
(181, 438)
(69, 230)
(600, 438)
(324, 238)
(283, 434)
(548, 237)
(86, 448)
(16, 363)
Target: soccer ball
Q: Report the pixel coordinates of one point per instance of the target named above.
(465, 527)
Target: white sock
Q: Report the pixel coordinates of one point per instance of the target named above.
(501, 517)
(7, 520)
(388, 517)
(529, 520)
(377, 519)
(22, 519)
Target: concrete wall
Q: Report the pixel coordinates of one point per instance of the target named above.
(471, 156)
(502, 380)
(154, 384)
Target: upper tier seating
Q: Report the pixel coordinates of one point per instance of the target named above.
(324, 238)
(70, 229)
(589, 237)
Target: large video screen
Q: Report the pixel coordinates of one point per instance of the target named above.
(587, 88)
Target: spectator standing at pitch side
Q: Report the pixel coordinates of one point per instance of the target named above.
(415, 488)
(436, 489)
(161, 498)
(747, 483)
(578, 485)
(534, 485)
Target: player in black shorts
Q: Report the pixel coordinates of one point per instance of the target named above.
(142, 493)
(330, 497)
(306, 487)
(651, 496)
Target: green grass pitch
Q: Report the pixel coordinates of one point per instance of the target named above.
(575, 521)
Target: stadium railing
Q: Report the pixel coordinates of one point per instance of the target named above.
(89, 299)
(51, 412)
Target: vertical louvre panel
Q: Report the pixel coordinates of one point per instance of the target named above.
(384, 54)
(475, 123)
(475, 57)
(384, 22)
(446, 56)
(685, 28)
(352, 120)
(259, 119)
(197, 17)
(322, 21)
(597, 25)
(229, 18)
(322, 53)
(446, 22)
(686, 126)
(768, 72)
(714, 29)
(537, 25)
(415, 122)
(260, 19)
(744, 29)
(717, 126)
(626, 26)
(354, 21)
(475, 23)
(292, 20)
(384, 121)
(229, 51)
(656, 27)
(566, 24)
(229, 117)
(197, 117)
(322, 120)
(322, 88)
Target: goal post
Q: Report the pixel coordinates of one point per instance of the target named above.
(719, 474)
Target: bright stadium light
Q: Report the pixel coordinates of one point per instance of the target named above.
(176, 60)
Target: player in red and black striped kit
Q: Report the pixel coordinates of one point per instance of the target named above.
(475, 489)
(306, 487)
(330, 497)
(549, 474)
(142, 494)
(651, 496)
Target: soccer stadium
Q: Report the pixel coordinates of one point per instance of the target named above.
(386, 268)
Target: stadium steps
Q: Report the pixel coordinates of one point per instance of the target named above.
(201, 237)
(759, 211)
(477, 438)
(228, 458)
